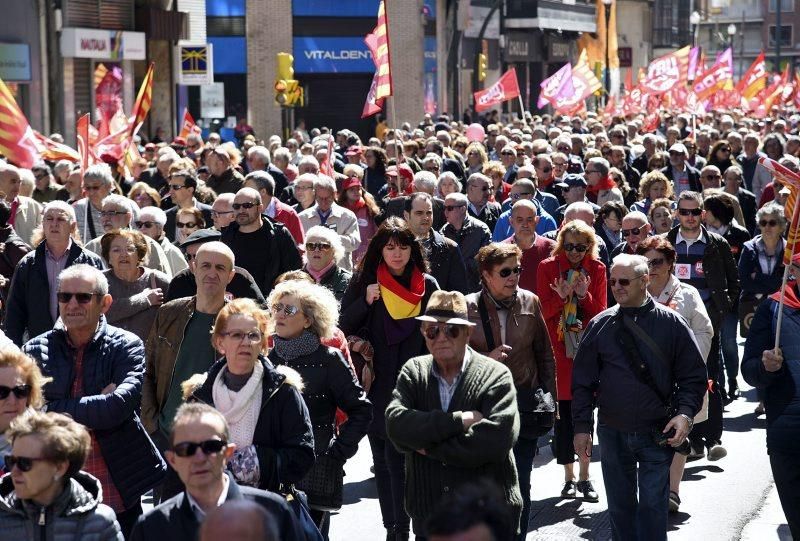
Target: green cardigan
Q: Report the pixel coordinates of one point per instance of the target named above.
(415, 420)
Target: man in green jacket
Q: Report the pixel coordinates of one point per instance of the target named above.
(453, 413)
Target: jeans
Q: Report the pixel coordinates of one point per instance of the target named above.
(628, 457)
(524, 452)
(786, 472)
(390, 478)
(730, 349)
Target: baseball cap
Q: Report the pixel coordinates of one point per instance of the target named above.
(201, 236)
(570, 181)
(350, 182)
(679, 147)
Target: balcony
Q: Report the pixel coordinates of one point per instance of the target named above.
(565, 16)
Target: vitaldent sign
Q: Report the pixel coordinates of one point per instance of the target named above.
(332, 55)
(102, 44)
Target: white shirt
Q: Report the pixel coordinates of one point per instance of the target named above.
(198, 511)
(680, 238)
(271, 208)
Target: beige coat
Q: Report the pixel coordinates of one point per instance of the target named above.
(28, 218)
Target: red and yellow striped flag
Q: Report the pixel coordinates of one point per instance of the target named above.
(17, 141)
(380, 54)
(143, 101)
(790, 180)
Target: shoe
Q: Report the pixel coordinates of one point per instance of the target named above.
(734, 393)
(587, 491)
(569, 490)
(716, 452)
(760, 409)
(674, 502)
(695, 454)
(401, 535)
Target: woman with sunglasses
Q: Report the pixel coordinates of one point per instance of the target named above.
(304, 315)
(720, 155)
(685, 299)
(476, 159)
(510, 328)
(323, 248)
(187, 221)
(360, 202)
(268, 418)
(137, 290)
(47, 496)
(608, 224)
(389, 289)
(571, 285)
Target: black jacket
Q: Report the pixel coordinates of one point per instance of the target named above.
(489, 214)
(692, 174)
(747, 200)
(283, 437)
(12, 250)
(183, 284)
(174, 520)
(172, 214)
(230, 181)
(337, 279)
(602, 374)
(736, 236)
(447, 265)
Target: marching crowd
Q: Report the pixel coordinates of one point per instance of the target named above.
(223, 326)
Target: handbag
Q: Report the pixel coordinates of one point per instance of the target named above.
(323, 484)
(747, 309)
(299, 505)
(362, 354)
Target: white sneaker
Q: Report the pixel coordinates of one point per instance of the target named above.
(716, 452)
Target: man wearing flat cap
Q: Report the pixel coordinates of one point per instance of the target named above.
(453, 414)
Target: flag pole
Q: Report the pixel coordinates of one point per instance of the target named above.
(522, 110)
(792, 226)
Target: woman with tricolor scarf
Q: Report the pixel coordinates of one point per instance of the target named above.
(571, 285)
(389, 289)
(602, 187)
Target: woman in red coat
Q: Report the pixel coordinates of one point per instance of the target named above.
(572, 287)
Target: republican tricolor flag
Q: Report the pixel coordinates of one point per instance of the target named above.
(17, 140)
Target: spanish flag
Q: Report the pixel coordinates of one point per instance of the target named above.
(400, 302)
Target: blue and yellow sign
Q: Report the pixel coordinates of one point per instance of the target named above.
(194, 64)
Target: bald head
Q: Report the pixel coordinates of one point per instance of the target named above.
(216, 248)
(239, 520)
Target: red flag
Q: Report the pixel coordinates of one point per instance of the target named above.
(82, 131)
(708, 82)
(791, 180)
(755, 78)
(326, 167)
(372, 105)
(188, 125)
(665, 72)
(629, 80)
(17, 141)
(651, 122)
(55, 151)
(506, 88)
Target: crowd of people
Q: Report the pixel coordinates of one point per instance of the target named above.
(269, 303)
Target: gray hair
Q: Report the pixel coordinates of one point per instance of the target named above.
(638, 215)
(282, 153)
(772, 209)
(82, 270)
(62, 164)
(262, 153)
(637, 263)
(575, 208)
(159, 216)
(325, 182)
(61, 206)
(458, 197)
(480, 177)
(425, 181)
(262, 180)
(309, 160)
(602, 165)
(99, 171)
(120, 201)
(435, 159)
(330, 236)
(450, 176)
(315, 301)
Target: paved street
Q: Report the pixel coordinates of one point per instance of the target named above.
(721, 500)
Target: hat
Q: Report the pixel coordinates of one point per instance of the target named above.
(570, 181)
(201, 235)
(447, 307)
(350, 182)
(679, 147)
(179, 141)
(391, 171)
(406, 172)
(150, 146)
(353, 151)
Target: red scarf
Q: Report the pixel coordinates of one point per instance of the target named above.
(14, 207)
(790, 299)
(606, 183)
(400, 302)
(358, 205)
(544, 183)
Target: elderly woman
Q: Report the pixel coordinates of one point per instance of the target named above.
(144, 196)
(684, 299)
(354, 197)
(510, 329)
(187, 221)
(571, 285)
(137, 290)
(476, 158)
(654, 185)
(448, 183)
(304, 191)
(21, 384)
(303, 315)
(496, 171)
(268, 418)
(46, 491)
(389, 289)
(608, 224)
(323, 249)
(661, 215)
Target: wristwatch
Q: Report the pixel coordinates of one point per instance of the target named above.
(689, 420)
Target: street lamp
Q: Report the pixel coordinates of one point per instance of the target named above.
(607, 6)
(731, 33)
(694, 20)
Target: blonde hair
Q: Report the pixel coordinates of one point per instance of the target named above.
(241, 307)
(579, 229)
(63, 440)
(12, 357)
(650, 178)
(315, 301)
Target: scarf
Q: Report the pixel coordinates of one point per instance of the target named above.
(607, 183)
(569, 315)
(240, 408)
(545, 183)
(790, 299)
(290, 349)
(319, 275)
(358, 205)
(400, 302)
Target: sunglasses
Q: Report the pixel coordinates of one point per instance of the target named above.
(624, 282)
(547, 169)
(575, 247)
(515, 196)
(450, 331)
(248, 206)
(770, 223)
(218, 213)
(506, 272)
(239, 336)
(314, 246)
(287, 309)
(690, 212)
(189, 448)
(632, 231)
(183, 225)
(176, 187)
(508, 154)
(711, 177)
(112, 213)
(20, 391)
(657, 262)
(451, 208)
(24, 463)
(144, 225)
(481, 188)
(82, 298)
(724, 150)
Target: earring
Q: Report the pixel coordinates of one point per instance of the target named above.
(56, 478)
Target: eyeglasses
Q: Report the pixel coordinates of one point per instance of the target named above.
(770, 223)
(481, 188)
(451, 208)
(632, 231)
(690, 212)
(657, 262)
(298, 189)
(218, 213)
(176, 187)
(20, 391)
(624, 282)
(314, 246)
(93, 188)
(40, 176)
(287, 309)
(508, 153)
(515, 196)
(575, 247)
(112, 213)
(130, 250)
(145, 225)
(184, 225)
(82, 298)
(590, 171)
(547, 169)
(506, 271)
(24, 463)
(450, 331)
(712, 177)
(239, 336)
(676, 153)
(189, 448)
(248, 205)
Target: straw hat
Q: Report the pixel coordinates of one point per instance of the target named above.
(447, 307)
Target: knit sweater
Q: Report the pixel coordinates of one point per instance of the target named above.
(130, 309)
(415, 420)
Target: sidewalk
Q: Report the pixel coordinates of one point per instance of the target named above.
(770, 522)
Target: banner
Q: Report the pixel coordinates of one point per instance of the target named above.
(17, 141)
(666, 72)
(584, 84)
(188, 125)
(707, 83)
(755, 78)
(558, 84)
(506, 88)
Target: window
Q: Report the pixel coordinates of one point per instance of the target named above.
(786, 36)
(671, 23)
(787, 6)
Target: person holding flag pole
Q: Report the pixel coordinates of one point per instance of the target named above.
(774, 366)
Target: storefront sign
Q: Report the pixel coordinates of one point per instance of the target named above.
(521, 48)
(194, 64)
(15, 62)
(332, 55)
(102, 44)
(212, 100)
(625, 55)
(558, 50)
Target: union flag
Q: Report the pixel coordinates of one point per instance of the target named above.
(17, 140)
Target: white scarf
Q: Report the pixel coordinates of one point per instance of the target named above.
(240, 408)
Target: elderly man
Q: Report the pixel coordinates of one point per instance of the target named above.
(547, 201)
(524, 189)
(207, 485)
(158, 177)
(262, 245)
(601, 186)
(258, 159)
(710, 177)
(32, 306)
(635, 228)
(535, 248)
(224, 178)
(747, 199)
(468, 233)
(96, 373)
(639, 364)
(453, 414)
(508, 157)
(222, 211)
(182, 188)
(683, 176)
(46, 189)
(328, 214)
(479, 188)
(151, 223)
(116, 214)
(264, 184)
(755, 175)
(97, 185)
(26, 214)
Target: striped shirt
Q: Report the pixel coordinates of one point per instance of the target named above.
(446, 389)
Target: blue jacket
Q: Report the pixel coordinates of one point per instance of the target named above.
(781, 388)
(503, 230)
(112, 356)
